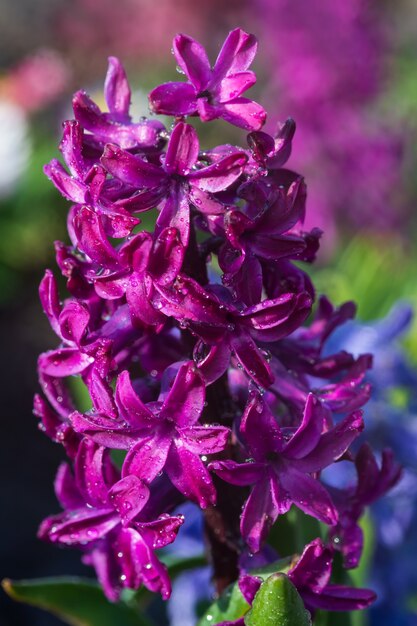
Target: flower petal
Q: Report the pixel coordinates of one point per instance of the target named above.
(309, 495)
(204, 439)
(182, 150)
(236, 55)
(192, 59)
(117, 90)
(190, 477)
(129, 495)
(185, 400)
(173, 99)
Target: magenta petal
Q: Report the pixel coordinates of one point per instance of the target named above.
(116, 89)
(182, 150)
(236, 55)
(162, 531)
(204, 439)
(332, 444)
(309, 495)
(212, 363)
(175, 212)
(73, 321)
(78, 527)
(105, 431)
(154, 574)
(190, 477)
(240, 474)
(148, 457)
(185, 400)
(131, 169)
(90, 473)
(130, 405)
(249, 586)
(234, 85)
(64, 362)
(71, 147)
(220, 175)
(307, 435)
(49, 297)
(66, 489)
(251, 359)
(340, 598)
(314, 567)
(69, 187)
(173, 99)
(260, 512)
(270, 313)
(92, 240)
(260, 428)
(138, 292)
(192, 59)
(244, 113)
(129, 495)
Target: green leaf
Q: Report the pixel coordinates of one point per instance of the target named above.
(278, 603)
(230, 606)
(77, 601)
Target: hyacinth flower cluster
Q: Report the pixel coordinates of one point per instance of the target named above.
(191, 336)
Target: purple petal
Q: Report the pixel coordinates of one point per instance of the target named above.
(220, 175)
(173, 99)
(131, 169)
(175, 212)
(192, 59)
(190, 477)
(185, 400)
(89, 474)
(129, 495)
(251, 359)
(154, 574)
(260, 428)
(162, 531)
(307, 435)
(332, 444)
(236, 55)
(78, 527)
(260, 512)
(66, 489)
(117, 90)
(49, 297)
(233, 85)
(73, 321)
(249, 586)
(309, 495)
(339, 598)
(244, 113)
(92, 240)
(105, 431)
(182, 150)
(130, 405)
(167, 256)
(147, 458)
(71, 147)
(211, 363)
(240, 474)
(314, 567)
(204, 439)
(64, 362)
(69, 187)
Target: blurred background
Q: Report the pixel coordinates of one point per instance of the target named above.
(346, 71)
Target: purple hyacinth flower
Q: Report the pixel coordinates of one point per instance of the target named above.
(178, 177)
(214, 92)
(284, 467)
(116, 125)
(162, 435)
(104, 517)
(311, 575)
